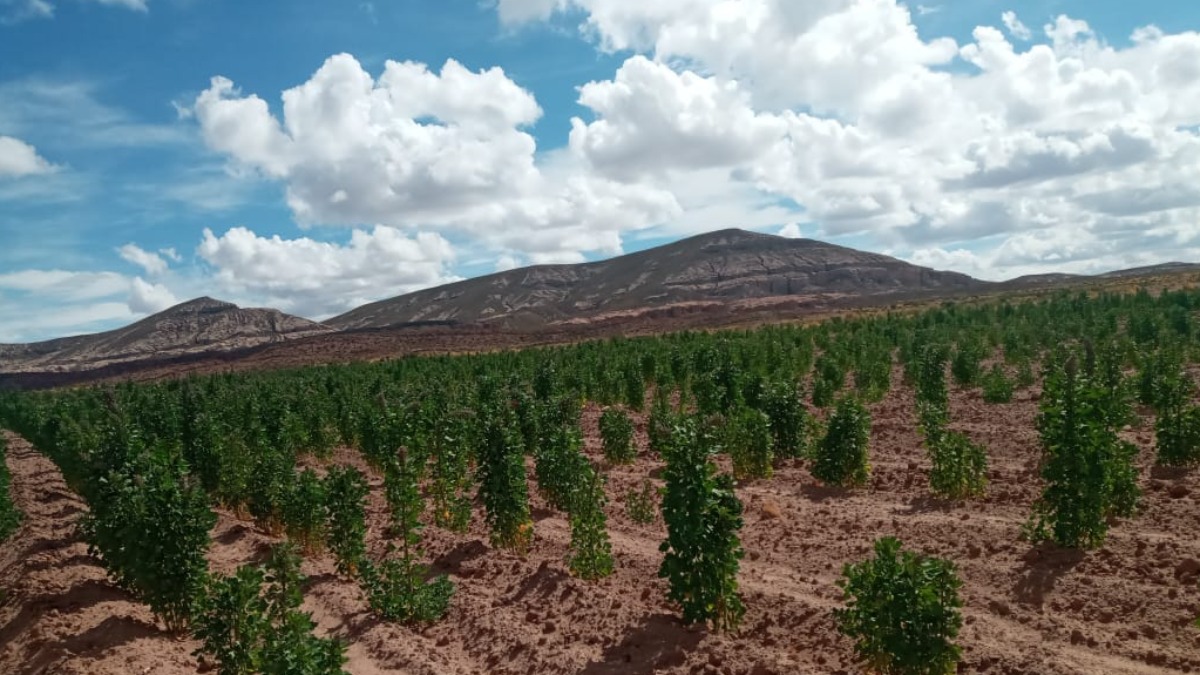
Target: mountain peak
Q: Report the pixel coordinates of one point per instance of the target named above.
(715, 268)
(203, 303)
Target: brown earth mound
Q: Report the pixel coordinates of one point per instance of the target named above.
(1123, 610)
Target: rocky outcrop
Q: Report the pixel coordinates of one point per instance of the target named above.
(200, 325)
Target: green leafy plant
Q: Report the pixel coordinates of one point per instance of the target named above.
(345, 502)
(450, 487)
(997, 388)
(149, 523)
(842, 456)
(396, 588)
(748, 440)
(10, 516)
(642, 503)
(616, 434)
(702, 550)
(959, 466)
(251, 623)
(1088, 471)
(590, 556)
(902, 611)
(502, 481)
(304, 513)
(789, 420)
(558, 464)
(1177, 427)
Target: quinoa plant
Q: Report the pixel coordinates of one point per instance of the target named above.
(747, 439)
(616, 433)
(842, 456)
(902, 611)
(345, 502)
(702, 550)
(502, 481)
(590, 557)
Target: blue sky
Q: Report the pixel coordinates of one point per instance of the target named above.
(118, 163)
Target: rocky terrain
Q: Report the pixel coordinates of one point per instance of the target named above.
(718, 267)
(198, 326)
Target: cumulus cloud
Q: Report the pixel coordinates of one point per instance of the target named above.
(791, 231)
(1015, 28)
(843, 108)
(18, 158)
(446, 151)
(316, 278)
(83, 301)
(148, 298)
(151, 262)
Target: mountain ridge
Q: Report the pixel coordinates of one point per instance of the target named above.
(197, 325)
(717, 278)
(723, 265)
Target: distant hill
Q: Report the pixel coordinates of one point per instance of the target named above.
(723, 266)
(724, 278)
(199, 325)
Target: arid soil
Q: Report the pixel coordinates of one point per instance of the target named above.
(1124, 609)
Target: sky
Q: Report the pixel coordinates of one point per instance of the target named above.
(315, 155)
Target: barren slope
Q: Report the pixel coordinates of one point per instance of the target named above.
(716, 267)
(197, 326)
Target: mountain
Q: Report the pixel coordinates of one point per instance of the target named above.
(200, 325)
(719, 267)
(1151, 270)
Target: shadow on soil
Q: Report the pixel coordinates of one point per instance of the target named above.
(660, 642)
(108, 634)
(1041, 569)
(822, 493)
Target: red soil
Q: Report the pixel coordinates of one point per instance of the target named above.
(1124, 609)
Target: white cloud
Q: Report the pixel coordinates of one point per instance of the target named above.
(81, 302)
(791, 231)
(136, 5)
(1015, 27)
(843, 108)
(73, 109)
(317, 278)
(151, 262)
(442, 151)
(148, 298)
(651, 118)
(16, 11)
(18, 158)
(63, 284)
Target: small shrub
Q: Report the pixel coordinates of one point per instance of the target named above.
(842, 456)
(149, 524)
(749, 443)
(502, 481)
(1088, 471)
(345, 503)
(591, 552)
(304, 512)
(10, 516)
(397, 591)
(789, 419)
(903, 612)
(251, 623)
(997, 388)
(702, 550)
(959, 466)
(616, 433)
(641, 504)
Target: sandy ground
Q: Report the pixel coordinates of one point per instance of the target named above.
(1124, 609)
